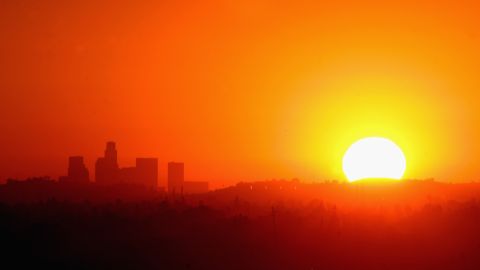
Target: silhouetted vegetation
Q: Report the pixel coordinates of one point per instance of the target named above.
(265, 225)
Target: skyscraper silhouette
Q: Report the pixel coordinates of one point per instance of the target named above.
(175, 176)
(106, 168)
(111, 153)
(77, 171)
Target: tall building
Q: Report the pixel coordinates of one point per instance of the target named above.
(106, 168)
(77, 171)
(147, 171)
(175, 177)
(111, 153)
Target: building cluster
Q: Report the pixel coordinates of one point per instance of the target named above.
(177, 183)
(145, 172)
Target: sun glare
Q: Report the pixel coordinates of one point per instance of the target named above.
(374, 157)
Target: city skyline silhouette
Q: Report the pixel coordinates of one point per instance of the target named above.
(253, 134)
(261, 90)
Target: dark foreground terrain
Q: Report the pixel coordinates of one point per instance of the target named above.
(222, 230)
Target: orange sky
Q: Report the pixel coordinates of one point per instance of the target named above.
(240, 90)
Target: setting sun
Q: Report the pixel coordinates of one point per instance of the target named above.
(374, 157)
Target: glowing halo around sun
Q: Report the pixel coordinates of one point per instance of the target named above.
(374, 157)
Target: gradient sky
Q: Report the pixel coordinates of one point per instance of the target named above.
(239, 90)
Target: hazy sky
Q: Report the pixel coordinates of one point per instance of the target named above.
(239, 90)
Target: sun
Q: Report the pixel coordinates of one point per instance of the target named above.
(374, 157)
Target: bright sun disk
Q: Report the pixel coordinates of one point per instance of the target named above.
(374, 157)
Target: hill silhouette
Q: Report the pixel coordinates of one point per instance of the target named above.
(260, 225)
